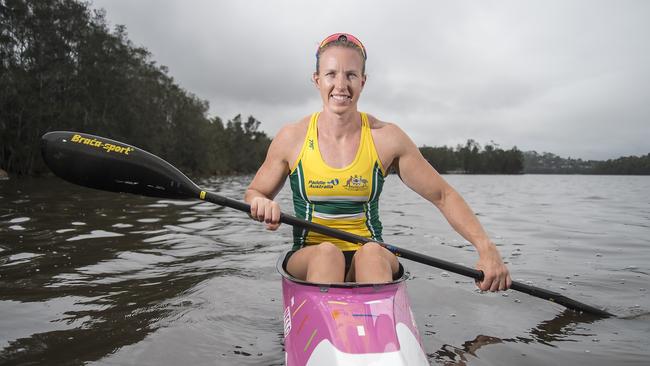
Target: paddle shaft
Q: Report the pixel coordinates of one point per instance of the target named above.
(109, 165)
(352, 238)
(411, 255)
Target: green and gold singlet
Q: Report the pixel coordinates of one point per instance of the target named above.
(342, 198)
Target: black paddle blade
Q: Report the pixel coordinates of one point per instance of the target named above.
(109, 165)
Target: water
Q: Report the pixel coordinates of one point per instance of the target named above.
(97, 278)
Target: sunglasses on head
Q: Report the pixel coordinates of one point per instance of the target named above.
(343, 37)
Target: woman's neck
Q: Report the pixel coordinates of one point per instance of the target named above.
(339, 126)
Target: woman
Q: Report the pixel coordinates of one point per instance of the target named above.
(336, 161)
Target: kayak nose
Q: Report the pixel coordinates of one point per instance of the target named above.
(349, 324)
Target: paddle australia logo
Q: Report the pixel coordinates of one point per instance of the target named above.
(102, 145)
(311, 144)
(356, 183)
(323, 184)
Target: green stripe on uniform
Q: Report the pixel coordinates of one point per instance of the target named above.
(301, 205)
(339, 207)
(372, 207)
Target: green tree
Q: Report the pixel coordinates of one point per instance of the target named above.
(471, 158)
(442, 158)
(63, 69)
(629, 165)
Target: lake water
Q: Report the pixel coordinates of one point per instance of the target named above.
(97, 278)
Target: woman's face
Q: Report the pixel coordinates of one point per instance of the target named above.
(340, 78)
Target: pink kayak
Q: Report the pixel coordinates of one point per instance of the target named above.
(349, 323)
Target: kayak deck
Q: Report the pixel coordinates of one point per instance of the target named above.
(349, 323)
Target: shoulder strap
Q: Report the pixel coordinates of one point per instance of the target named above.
(311, 135)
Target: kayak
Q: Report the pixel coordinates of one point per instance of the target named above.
(348, 323)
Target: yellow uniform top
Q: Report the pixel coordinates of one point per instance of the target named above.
(342, 198)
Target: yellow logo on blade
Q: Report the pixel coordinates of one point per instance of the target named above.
(102, 145)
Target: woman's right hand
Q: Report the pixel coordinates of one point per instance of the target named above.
(267, 211)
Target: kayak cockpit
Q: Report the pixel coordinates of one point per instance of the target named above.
(281, 266)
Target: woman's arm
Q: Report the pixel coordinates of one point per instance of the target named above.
(270, 178)
(422, 178)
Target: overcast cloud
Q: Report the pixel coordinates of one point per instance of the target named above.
(568, 77)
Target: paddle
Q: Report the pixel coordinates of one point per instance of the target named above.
(101, 163)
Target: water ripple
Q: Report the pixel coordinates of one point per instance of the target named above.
(143, 281)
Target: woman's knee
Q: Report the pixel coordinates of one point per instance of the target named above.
(329, 252)
(372, 253)
(328, 249)
(370, 250)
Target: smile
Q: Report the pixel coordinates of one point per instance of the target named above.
(340, 97)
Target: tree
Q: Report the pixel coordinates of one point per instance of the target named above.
(63, 69)
(471, 158)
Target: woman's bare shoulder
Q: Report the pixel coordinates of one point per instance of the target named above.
(288, 142)
(383, 128)
(293, 131)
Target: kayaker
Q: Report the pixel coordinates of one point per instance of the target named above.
(336, 161)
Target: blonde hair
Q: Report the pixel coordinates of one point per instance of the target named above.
(341, 43)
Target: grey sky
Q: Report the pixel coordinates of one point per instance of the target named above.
(568, 77)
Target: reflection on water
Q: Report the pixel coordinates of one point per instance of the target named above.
(90, 276)
(547, 332)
